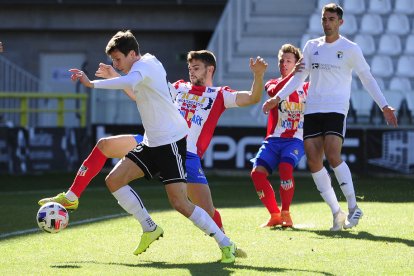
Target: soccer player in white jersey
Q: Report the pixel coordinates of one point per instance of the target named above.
(117, 146)
(329, 61)
(201, 104)
(283, 147)
(163, 149)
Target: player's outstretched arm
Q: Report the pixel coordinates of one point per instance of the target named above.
(258, 68)
(108, 72)
(81, 76)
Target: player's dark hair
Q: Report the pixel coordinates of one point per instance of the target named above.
(334, 8)
(123, 41)
(289, 48)
(204, 56)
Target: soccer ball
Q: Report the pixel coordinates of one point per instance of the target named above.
(52, 217)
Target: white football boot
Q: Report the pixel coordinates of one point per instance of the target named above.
(353, 218)
(338, 221)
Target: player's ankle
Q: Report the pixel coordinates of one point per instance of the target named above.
(71, 196)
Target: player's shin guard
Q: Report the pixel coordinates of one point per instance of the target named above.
(129, 200)
(287, 185)
(217, 220)
(205, 223)
(344, 177)
(88, 170)
(265, 191)
(323, 184)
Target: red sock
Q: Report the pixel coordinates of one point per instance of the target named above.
(287, 187)
(88, 170)
(265, 191)
(217, 220)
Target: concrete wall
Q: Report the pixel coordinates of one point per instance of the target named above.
(168, 31)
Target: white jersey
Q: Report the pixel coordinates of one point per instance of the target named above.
(202, 106)
(330, 67)
(162, 121)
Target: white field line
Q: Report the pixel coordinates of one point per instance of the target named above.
(46, 192)
(33, 230)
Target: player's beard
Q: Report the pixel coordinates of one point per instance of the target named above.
(200, 81)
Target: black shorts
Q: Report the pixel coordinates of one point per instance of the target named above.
(321, 124)
(168, 161)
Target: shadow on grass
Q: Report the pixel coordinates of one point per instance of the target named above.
(361, 235)
(214, 268)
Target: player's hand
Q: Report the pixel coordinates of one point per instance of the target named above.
(389, 115)
(81, 76)
(258, 66)
(106, 71)
(270, 104)
(299, 66)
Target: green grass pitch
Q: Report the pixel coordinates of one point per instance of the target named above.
(100, 238)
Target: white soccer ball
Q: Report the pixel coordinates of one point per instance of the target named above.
(52, 217)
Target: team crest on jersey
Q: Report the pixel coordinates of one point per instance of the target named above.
(296, 152)
(339, 54)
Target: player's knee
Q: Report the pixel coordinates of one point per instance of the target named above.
(102, 144)
(113, 183)
(334, 159)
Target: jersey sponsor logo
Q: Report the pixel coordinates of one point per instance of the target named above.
(289, 124)
(291, 107)
(324, 66)
(211, 90)
(190, 103)
(340, 54)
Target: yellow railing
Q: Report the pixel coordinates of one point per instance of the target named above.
(25, 109)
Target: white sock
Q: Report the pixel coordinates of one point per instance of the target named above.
(344, 177)
(71, 195)
(130, 201)
(323, 184)
(205, 223)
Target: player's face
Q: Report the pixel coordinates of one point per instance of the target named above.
(287, 63)
(331, 23)
(121, 62)
(198, 72)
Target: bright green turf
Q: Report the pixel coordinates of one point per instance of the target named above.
(383, 244)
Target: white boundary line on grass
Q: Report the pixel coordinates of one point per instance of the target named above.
(33, 230)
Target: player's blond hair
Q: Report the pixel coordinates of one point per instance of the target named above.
(289, 48)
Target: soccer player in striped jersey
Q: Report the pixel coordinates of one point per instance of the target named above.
(329, 61)
(283, 147)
